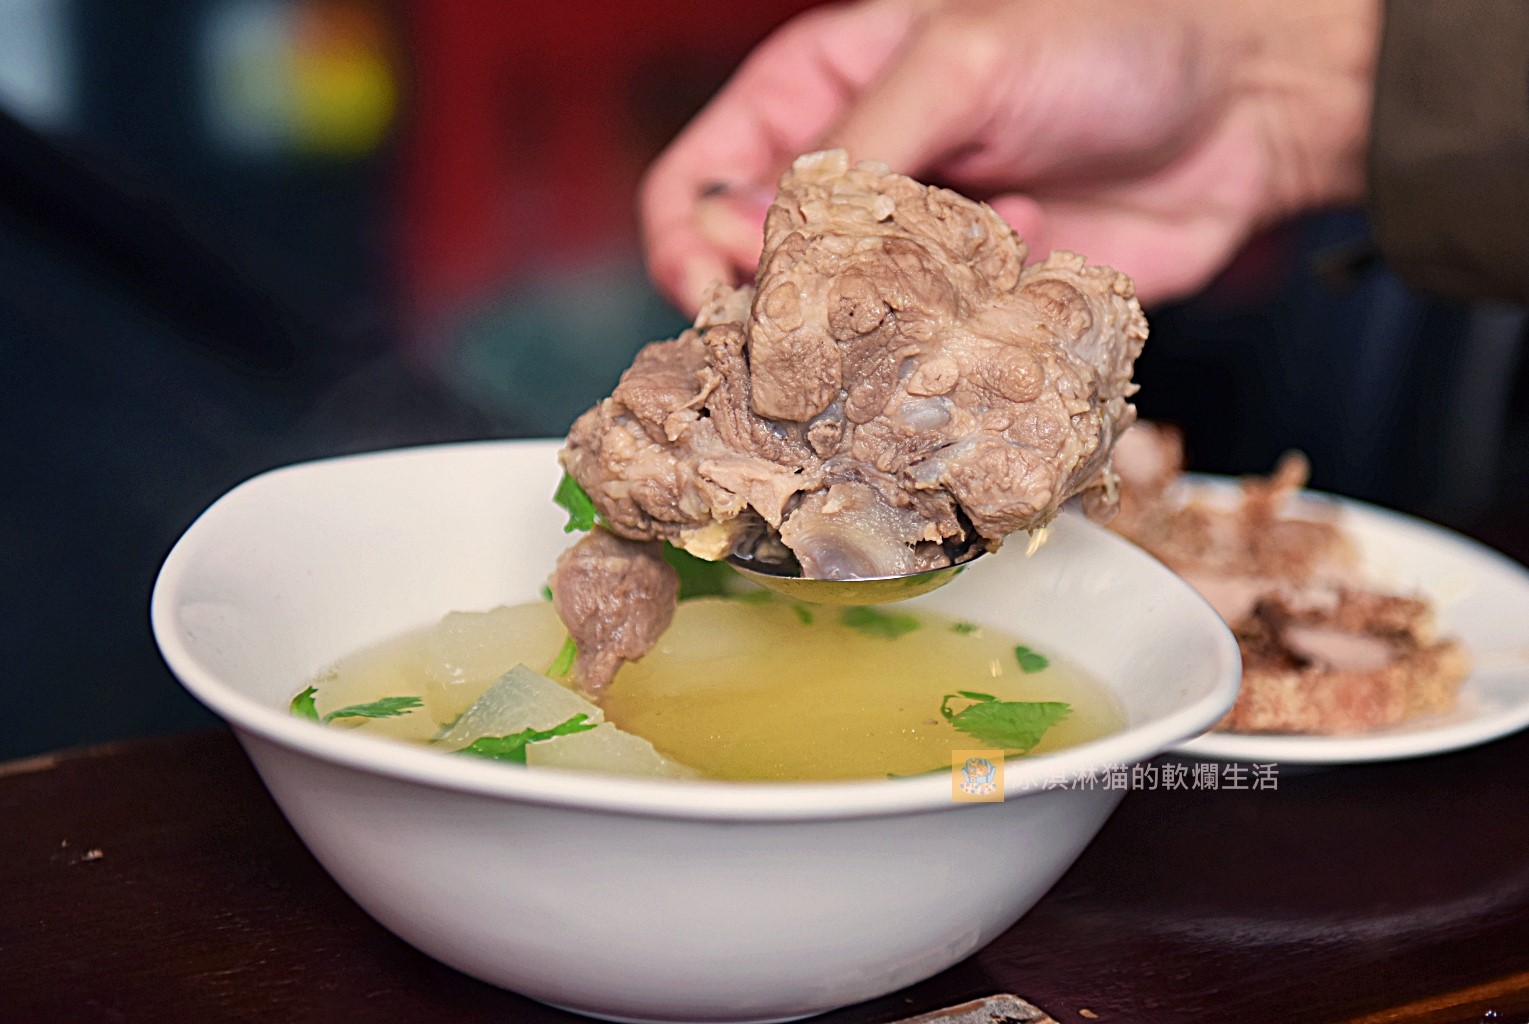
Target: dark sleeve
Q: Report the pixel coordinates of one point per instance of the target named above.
(1449, 152)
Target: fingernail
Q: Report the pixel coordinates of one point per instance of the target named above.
(751, 200)
(756, 201)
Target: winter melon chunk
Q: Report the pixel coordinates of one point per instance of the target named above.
(521, 699)
(605, 749)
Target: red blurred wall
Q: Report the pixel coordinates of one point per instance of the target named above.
(530, 125)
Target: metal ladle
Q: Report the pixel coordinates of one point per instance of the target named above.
(788, 581)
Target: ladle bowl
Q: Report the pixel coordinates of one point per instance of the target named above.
(872, 590)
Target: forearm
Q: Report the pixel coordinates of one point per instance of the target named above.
(1449, 151)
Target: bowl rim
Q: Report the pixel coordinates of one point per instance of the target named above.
(706, 800)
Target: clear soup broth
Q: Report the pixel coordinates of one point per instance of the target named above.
(753, 689)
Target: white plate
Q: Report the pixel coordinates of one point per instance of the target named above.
(1482, 598)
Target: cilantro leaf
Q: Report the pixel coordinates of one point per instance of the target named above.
(698, 577)
(513, 747)
(964, 627)
(1030, 661)
(387, 707)
(564, 660)
(499, 748)
(974, 695)
(573, 498)
(546, 592)
(1011, 724)
(303, 706)
(874, 622)
(803, 613)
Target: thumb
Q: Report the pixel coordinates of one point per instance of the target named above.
(731, 220)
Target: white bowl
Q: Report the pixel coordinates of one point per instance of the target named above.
(637, 899)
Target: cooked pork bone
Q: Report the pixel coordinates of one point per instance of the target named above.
(616, 597)
(1322, 651)
(1341, 661)
(896, 385)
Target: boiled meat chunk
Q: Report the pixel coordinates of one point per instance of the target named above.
(898, 387)
(616, 597)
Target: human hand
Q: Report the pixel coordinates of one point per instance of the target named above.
(1151, 136)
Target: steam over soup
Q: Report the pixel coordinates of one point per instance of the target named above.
(752, 687)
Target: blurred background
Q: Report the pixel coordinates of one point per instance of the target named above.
(240, 233)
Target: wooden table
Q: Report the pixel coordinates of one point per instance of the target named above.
(156, 882)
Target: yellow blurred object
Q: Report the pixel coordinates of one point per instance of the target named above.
(308, 76)
(344, 93)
